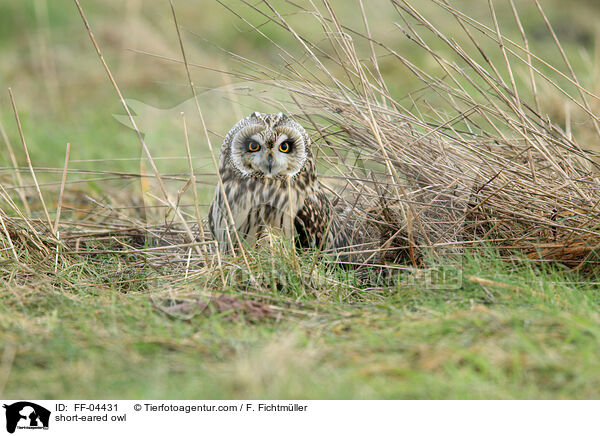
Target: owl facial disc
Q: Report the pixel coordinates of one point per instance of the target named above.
(269, 145)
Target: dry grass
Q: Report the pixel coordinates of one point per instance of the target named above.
(463, 161)
(479, 163)
(468, 161)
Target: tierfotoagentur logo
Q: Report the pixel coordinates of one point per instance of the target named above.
(25, 415)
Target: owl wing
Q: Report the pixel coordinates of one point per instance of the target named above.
(312, 221)
(319, 224)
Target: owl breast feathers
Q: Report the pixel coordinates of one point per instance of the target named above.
(269, 181)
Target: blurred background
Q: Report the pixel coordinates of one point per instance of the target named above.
(90, 330)
(63, 94)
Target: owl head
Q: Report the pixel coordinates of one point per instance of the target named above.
(266, 145)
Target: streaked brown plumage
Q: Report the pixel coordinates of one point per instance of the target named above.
(269, 180)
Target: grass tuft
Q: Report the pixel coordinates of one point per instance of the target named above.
(479, 274)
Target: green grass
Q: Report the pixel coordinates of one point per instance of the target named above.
(525, 334)
(92, 330)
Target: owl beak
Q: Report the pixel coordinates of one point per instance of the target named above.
(270, 163)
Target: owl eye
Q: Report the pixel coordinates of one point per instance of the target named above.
(253, 146)
(285, 147)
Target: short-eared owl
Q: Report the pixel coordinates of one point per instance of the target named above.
(269, 179)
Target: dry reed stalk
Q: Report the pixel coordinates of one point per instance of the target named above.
(240, 245)
(62, 187)
(8, 238)
(133, 123)
(24, 143)
(16, 172)
(209, 143)
(194, 187)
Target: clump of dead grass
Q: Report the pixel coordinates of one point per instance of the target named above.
(470, 158)
(468, 161)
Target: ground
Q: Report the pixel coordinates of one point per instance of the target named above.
(510, 331)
